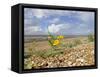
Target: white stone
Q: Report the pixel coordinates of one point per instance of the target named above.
(92, 51)
(69, 62)
(81, 60)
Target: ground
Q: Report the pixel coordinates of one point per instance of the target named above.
(78, 51)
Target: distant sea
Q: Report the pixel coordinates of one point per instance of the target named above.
(29, 38)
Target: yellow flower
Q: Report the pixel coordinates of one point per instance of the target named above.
(56, 42)
(60, 37)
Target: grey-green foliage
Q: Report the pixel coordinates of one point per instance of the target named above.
(77, 42)
(90, 38)
(70, 45)
(73, 44)
(48, 53)
(27, 64)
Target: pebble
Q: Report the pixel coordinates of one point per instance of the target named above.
(80, 56)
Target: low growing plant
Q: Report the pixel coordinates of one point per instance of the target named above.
(90, 38)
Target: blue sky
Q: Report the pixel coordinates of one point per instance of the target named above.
(60, 22)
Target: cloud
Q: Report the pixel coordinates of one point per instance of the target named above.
(44, 13)
(28, 13)
(85, 16)
(38, 13)
(81, 29)
(32, 29)
(55, 20)
(56, 29)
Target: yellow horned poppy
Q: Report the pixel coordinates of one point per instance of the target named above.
(56, 42)
(60, 37)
